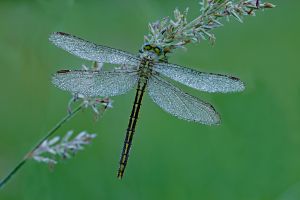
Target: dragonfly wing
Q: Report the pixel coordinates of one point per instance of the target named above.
(207, 82)
(180, 104)
(91, 51)
(95, 83)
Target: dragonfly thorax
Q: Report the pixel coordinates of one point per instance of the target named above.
(145, 67)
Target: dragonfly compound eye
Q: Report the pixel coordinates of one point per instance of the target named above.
(147, 47)
(157, 50)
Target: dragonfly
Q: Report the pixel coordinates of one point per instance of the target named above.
(146, 71)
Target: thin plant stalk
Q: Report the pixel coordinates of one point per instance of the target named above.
(29, 154)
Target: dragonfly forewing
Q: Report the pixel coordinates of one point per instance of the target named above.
(91, 51)
(180, 104)
(95, 83)
(207, 82)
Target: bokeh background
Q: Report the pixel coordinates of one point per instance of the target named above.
(253, 155)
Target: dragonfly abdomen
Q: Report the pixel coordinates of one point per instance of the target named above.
(145, 71)
(131, 125)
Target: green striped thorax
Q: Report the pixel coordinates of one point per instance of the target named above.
(149, 53)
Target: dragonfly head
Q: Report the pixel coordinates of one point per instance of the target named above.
(151, 50)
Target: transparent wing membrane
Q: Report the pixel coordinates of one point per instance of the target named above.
(180, 104)
(94, 83)
(207, 82)
(90, 51)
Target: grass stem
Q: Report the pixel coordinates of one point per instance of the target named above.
(4, 181)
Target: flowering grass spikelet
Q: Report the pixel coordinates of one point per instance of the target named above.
(64, 148)
(175, 33)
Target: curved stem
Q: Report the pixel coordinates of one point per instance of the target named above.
(29, 154)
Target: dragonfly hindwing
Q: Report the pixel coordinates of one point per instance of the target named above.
(180, 104)
(94, 83)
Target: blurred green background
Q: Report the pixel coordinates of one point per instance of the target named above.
(253, 155)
